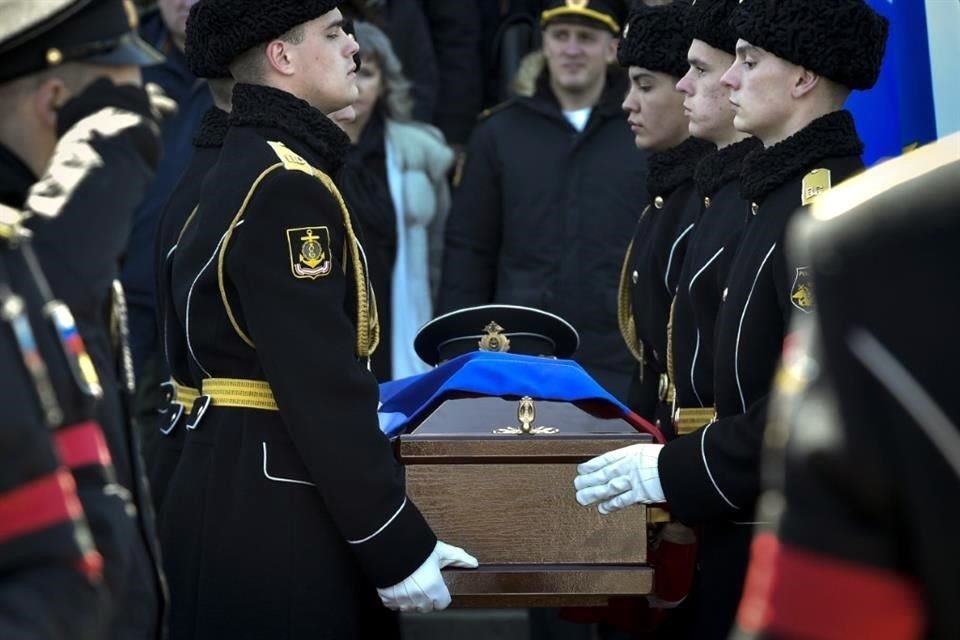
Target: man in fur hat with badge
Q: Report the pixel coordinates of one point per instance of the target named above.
(796, 63)
(286, 514)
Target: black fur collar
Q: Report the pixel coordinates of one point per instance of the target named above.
(671, 168)
(269, 108)
(213, 129)
(831, 136)
(723, 166)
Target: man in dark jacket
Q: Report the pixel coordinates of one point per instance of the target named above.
(863, 459)
(164, 28)
(62, 101)
(551, 192)
(270, 287)
(788, 90)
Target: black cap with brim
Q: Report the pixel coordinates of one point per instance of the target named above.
(607, 14)
(497, 328)
(35, 36)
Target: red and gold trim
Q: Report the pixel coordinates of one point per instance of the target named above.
(36, 505)
(82, 445)
(796, 593)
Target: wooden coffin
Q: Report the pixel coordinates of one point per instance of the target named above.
(495, 476)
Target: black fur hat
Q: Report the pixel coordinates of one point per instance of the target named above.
(232, 27)
(656, 38)
(710, 21)
(199, 59)
(843, 40)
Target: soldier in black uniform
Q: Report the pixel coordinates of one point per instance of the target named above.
(50, 572)
(163, 441)
(723, 214)
(287, 512)
(797, 61)
(654, 47)
(100, 141)
(863, 459)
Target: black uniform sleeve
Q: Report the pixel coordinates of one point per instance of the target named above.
(455, 29)
(306, 342)
(472, 246)
(714, 472)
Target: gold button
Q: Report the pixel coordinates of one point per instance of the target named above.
(658, 202)
(706, 203)
(754, 208)
(635, 276)
(725, 291)
(54, 56)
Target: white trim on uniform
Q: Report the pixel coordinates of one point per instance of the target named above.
(266, 474)
(190, 297)
(673, 249)
(696, 351)
(905, 388)
(385, 525)
(703, 454)
(746, 305)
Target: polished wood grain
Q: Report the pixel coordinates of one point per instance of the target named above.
(523, 514)
(536, 586)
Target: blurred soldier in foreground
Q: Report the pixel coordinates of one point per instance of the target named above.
(863, 459)
(76, 115)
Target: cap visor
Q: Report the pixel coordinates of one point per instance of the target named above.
(130, 50)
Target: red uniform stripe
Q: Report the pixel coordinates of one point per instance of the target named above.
(796, 593)
(38, 504)
(81, 445)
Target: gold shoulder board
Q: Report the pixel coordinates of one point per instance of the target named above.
(291, 161)
(815, 183)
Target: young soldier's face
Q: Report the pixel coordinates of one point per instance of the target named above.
(706, 100)
(655, 110)
(578, 55)
(324, 63)
(761, 86)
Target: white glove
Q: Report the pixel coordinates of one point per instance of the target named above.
(621, 478)
(424, 590)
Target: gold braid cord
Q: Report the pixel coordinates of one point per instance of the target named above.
(368, 320)
(628, 329)
(672, 388)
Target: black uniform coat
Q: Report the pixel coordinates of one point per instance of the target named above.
(542, 218)
(712, 476)
(163, 441)
(865, 465)
(651, 269)
(713, 243)
(280, 523)
(128, 545)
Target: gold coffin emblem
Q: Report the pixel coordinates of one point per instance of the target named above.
(526, 414)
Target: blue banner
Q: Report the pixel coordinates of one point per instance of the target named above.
(898, 113)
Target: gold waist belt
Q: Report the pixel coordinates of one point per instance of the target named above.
(243, 394)
(689, 420)
(185, 395)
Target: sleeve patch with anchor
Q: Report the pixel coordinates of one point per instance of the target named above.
(310, 256)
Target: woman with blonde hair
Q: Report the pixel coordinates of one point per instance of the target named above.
(404, 166)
